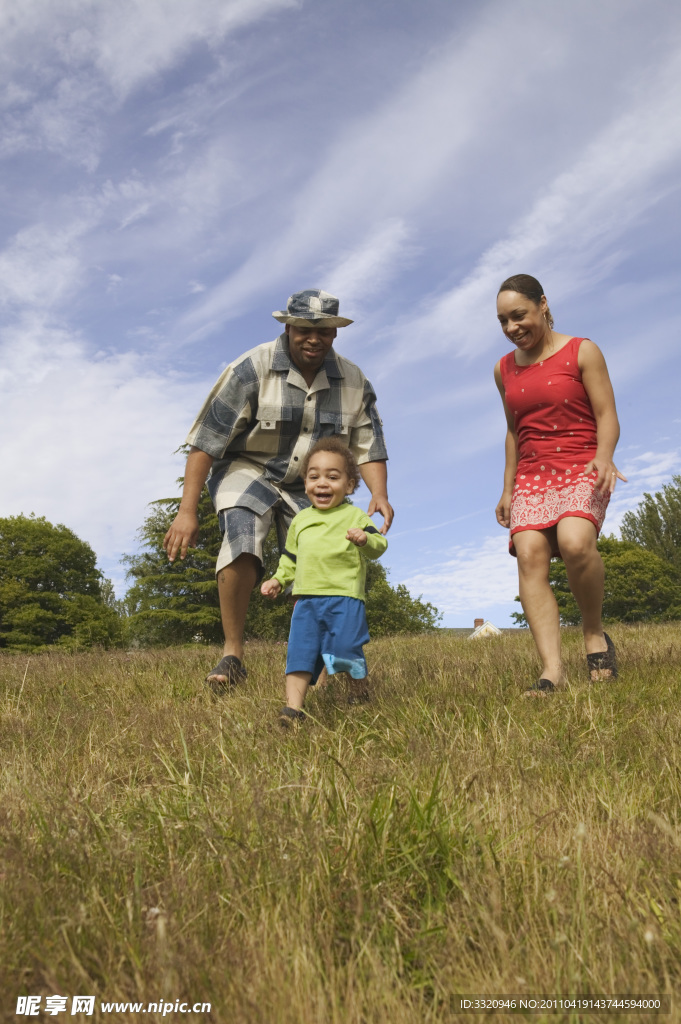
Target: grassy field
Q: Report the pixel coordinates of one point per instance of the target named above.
(450, 838)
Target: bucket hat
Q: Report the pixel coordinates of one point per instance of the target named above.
(311, 307)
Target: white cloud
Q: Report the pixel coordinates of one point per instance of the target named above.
(645, 473)
(82, 58)
(40, 267)
(137, 39)
(572, 231)
(128, 42)
(88, 441)
(361, 273)
(387, 164)
(469, 577)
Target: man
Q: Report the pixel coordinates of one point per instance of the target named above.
(263, 415)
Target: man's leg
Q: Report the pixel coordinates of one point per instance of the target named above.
(235, 584)
(239, 568)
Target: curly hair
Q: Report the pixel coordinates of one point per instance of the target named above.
(528, 286)
(332, 444)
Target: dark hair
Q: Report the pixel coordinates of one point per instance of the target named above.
(332, 444)
(528, 286)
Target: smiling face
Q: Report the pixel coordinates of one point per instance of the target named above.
(327, 482)
(522, 320)
(308, 347)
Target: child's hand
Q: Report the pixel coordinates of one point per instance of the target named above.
(271, 588)
(356, 536)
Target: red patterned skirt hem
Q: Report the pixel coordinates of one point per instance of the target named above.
(540, 510)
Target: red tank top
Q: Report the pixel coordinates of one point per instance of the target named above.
(552, 413)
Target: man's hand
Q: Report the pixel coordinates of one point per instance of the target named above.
(380, 503)
(375, 476)
(271, 588)
(183, 534)
(356, 536)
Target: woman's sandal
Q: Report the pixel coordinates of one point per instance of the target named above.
(542, 688)
(603, 660)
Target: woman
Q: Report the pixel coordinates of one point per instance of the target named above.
(559, 475)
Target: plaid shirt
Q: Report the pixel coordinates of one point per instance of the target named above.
(261, 419)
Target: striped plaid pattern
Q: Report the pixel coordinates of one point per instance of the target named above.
(244, 532)
(261, 419)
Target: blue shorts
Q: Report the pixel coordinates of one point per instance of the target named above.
(328, 631)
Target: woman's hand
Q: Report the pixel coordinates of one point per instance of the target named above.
(503, 509)
(608, 473)
(271, 588)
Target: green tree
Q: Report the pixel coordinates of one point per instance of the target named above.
(640, 586)
(178, 603)
(50, 589)
(392, 609)
(175, 603)
(656, 523)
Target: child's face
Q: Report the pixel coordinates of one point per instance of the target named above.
(327, 482)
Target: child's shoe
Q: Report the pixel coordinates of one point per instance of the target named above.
(290, 719)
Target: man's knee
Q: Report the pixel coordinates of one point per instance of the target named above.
(245, 568)
(243, 540)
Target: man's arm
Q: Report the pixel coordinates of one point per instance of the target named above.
(375, 476)
(184, 530)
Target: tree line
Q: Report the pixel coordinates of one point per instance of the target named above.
(52, 594)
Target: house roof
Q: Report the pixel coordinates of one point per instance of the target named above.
(486, 629)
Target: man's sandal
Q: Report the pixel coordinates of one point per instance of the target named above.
(542, 688)
(290, 719)
(603, 661)
(227, 673)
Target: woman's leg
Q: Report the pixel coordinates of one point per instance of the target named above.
(533, 548)
(577, 542)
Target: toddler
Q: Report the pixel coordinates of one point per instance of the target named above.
(325, 557)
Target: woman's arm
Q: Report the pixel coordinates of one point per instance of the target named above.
(596, 381)
(503, 509)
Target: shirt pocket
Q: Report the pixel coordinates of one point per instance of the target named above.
(269, 426)
(333, 423)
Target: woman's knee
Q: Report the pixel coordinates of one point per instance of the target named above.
(579, 550)
(533, 557)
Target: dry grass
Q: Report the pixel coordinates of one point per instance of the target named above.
(449, 838)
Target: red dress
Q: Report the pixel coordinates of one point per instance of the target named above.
(556, 431)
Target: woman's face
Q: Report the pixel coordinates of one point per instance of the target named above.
(522, 320)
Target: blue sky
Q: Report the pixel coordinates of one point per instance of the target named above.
(173, 169)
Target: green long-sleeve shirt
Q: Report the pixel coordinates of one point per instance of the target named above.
(319, 558)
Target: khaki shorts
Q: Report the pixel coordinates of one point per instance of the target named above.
(244, 532)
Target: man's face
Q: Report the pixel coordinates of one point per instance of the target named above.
(308, 346)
